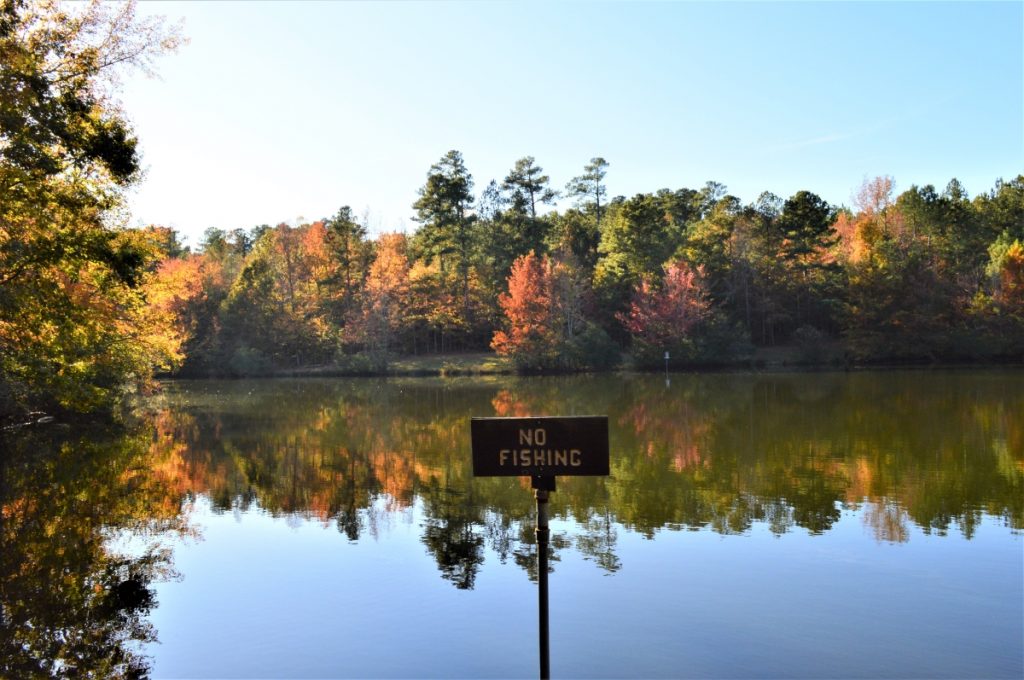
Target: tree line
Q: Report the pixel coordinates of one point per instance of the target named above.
(920, 276)
(89, 307)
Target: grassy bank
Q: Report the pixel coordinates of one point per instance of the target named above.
(488, 363)
(788, 357)
(470, 363)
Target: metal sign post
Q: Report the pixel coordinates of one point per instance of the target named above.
(541, 448)
(542, 486)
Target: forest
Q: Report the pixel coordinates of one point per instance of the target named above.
(91, 308)
(922, 276)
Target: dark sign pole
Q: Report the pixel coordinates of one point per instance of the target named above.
(540, 447)
(542, 486)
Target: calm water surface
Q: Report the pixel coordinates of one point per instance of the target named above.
(778, 526)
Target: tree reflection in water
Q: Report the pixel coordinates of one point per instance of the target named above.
(70, 605)
(936, 451)
(717, 452)
(453, 535)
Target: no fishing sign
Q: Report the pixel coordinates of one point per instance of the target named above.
(571, 446)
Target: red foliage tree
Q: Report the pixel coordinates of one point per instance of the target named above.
(664, 317)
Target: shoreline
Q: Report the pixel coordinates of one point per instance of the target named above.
(775, 360)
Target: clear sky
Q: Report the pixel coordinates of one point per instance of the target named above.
(276, 112)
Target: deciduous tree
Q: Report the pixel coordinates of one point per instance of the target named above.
(664, 315)
(71, 307)
(385, 300)
(531, 337)
(545, 327)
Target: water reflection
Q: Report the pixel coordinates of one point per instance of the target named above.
(70, 604)
(911, 452)
(718, 452)
(907, 453)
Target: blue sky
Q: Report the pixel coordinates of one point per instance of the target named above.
(280, 112)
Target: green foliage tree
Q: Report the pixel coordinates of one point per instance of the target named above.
(498, 239)
(509, 225)
(639, 236)
(444, 213)
(528, 186)
(274, 313)
(1003, 208)
(250, 338)
(708, 243)
(962, 239)
(997, 309)
(899, 308)
(574, 234)
(523, 188)
(588, 188)
(350, 254)
(805, 225)
(899, 305)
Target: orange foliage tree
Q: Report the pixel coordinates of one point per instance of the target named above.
(531, 338)
(545, 327)
(386, 294)
(173, 293)
(438, 318)
(1010, 289)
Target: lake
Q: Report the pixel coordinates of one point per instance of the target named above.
(799, 525)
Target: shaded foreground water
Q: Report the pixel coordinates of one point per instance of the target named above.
(795, 525)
